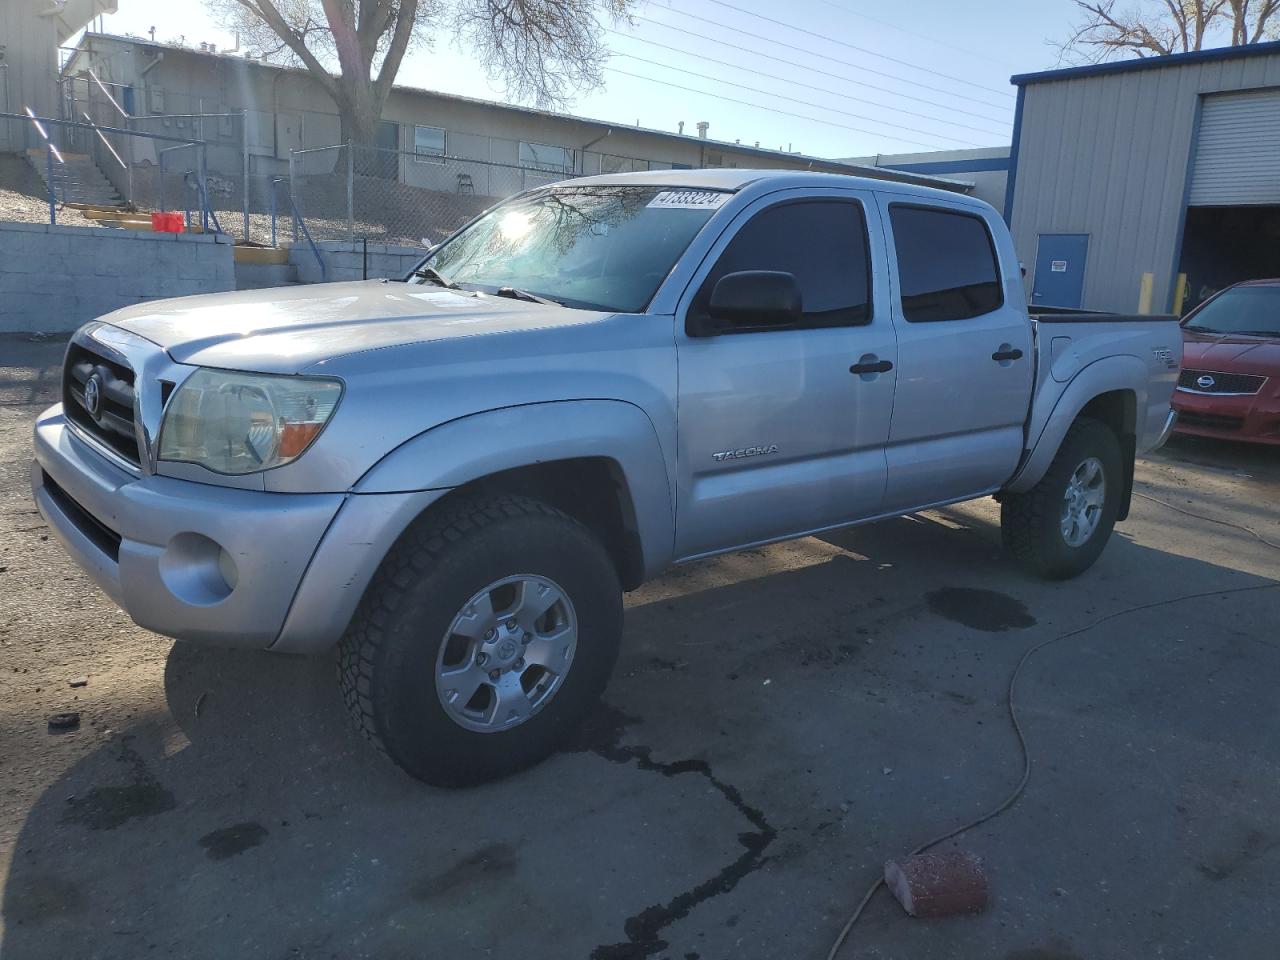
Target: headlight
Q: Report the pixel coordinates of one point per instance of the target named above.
(241, 423)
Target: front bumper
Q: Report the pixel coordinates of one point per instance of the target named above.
(214, 564)
(1253, 418)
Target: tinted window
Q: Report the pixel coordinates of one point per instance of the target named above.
(946, 264)
(823, 243)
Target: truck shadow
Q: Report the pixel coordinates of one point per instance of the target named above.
(248, 819)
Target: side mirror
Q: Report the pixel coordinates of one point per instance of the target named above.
(755, 298)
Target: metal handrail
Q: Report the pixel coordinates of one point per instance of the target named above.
(184, 116)
(105, 142)
(188, 141)
(119, 109)
(39, 128)
(298, 219)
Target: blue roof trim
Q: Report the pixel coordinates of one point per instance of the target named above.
(1012, 179)
(952, 166)
(1149, 63)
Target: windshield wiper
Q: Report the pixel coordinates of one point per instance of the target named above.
(515, 293)
(1257, 333)
(430, 273)
(1192, 326)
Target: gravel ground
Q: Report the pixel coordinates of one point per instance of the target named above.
(780, 723)
(24, 199)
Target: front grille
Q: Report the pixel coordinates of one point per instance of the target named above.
(99, 534)
(113, 422)
(1209, 421)
(1220, 382)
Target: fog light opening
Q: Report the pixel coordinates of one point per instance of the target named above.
(197, 570)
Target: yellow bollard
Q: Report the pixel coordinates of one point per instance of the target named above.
(1179, 294)
(1144, 293)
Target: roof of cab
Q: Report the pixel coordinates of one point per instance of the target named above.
(735, 179)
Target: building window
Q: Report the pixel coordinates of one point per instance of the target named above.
(542, 156)
(612, 164)
(428, 144)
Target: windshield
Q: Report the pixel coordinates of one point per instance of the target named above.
(603, 248)
(1253, 311)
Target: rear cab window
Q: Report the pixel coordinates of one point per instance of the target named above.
(947, 264)
(822, 242)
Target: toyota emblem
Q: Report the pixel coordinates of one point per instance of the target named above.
(93, 395)
(1206, 382)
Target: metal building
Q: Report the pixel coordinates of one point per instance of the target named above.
(1147, 184)
(987, 168)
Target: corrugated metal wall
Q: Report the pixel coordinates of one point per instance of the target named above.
(29, 69)
(1107, 155)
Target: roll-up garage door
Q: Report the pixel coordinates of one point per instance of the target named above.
(1237, 158)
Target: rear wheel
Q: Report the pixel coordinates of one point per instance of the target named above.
(1060, 526)
(488, 632)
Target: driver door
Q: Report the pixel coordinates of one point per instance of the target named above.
(777, 435)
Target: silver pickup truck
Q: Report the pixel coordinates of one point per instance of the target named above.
(454, 477)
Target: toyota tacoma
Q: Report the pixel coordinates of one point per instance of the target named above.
(452, 478)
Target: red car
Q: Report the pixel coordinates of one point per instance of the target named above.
(1230, 382)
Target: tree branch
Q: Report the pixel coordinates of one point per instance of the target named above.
(407, 16)
(295, 41)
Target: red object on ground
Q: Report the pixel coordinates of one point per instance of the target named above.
(938, 884)
(1230, 382)
(167, 223)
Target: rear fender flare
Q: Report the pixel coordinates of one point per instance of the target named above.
(1102, 376)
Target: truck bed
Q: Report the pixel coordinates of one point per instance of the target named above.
(1047, 314)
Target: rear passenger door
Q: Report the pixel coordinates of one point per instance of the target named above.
(964, 357)
(777, 436)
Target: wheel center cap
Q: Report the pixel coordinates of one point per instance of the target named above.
(507, 649)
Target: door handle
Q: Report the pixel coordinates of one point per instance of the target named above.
(872, 366)
(1014, 354)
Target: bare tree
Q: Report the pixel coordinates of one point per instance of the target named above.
(1154, 28)
(541, 49)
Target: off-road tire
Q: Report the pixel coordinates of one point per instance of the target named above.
(387, 658)
(1031, 522)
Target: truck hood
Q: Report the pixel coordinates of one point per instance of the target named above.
(1228, 354)
(288, 329)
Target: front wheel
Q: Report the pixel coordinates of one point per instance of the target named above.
(488, 632)
(1060, 526)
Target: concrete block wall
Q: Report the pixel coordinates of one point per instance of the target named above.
(53, 278)
(345, 260)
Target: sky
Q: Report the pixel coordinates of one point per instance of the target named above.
(829, 78)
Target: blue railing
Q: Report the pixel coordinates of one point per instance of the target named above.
(298, 222)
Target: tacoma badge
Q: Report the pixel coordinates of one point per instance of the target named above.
(745, 452)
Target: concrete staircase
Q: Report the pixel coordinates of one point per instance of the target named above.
(76, 180)
(261, 267)
(258, 276)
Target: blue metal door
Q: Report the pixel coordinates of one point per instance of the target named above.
(1059, 277)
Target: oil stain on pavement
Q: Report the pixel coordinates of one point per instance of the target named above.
(105, 808)
(229, 841)
(985, 610)
(488, 863)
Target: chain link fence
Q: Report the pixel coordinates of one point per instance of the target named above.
(398, 197)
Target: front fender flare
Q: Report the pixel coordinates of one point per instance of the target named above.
(479, 445)
(1053, 414)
